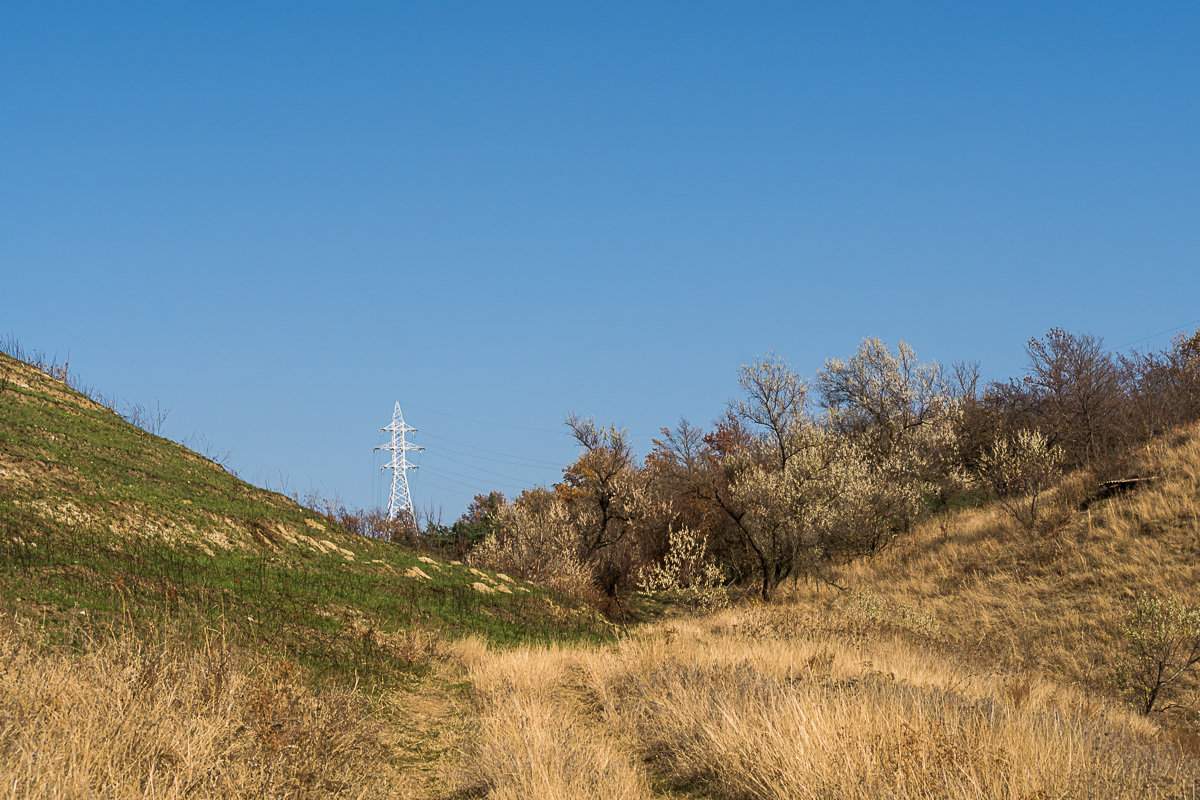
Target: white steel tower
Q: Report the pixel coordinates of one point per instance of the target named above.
(400, 500)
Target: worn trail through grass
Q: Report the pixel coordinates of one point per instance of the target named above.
(767, 704)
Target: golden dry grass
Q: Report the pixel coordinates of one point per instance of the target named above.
(529, 741)
(978, 586)
(971, 662)
(765, 704)
(127, 720)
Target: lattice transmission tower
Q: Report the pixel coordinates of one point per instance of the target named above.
(400, 499)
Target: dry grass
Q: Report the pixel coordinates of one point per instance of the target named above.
(759, 704)
(134, 721)
(972, 662)
(1052, 603)
(529, 740)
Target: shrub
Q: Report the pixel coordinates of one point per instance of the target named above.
(1162, 637)
(533, 538)
(686, 573)
(1019, 470)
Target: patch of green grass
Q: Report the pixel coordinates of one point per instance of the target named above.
(333, 616)
(103, 526)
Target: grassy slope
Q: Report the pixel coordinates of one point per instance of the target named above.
(910, 684)
(976, 585)
(104, 525)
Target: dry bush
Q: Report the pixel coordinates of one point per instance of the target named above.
(535, 538)
(686, 573)
(129, 720)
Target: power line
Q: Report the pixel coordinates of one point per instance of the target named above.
(473, 448)
(489, 473)
(476, 479)
(425, 482)
(471, 466)
(441, 453)
(1156, 335)
(482, 421)
(473, 486)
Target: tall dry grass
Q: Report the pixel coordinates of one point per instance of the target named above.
(970, 663)
(758, 704)
(529, 741)
(973, 661)
(131, 720)
(978, 586)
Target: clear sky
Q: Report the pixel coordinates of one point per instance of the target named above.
(279, 218)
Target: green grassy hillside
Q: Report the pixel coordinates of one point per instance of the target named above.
(103, 525)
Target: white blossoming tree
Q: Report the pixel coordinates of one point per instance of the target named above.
(1019, 470)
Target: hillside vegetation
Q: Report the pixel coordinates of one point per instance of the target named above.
(974, 659)
(827, 622)
(168, 630)
(101, 520)
(777, 703)
(1055, 602)
(802, 475)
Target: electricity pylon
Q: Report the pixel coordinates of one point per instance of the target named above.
(400, 499)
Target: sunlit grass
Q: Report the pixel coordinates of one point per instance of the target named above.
(106, 526)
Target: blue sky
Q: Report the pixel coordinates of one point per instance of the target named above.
(278, 219)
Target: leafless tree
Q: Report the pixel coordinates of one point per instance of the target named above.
(1163, 387)
(962, 384)
(775, 399)
(1076, 387)
(201, 444)
(601, 483)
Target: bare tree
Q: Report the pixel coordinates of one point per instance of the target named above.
(148, 419)
(1163, 387)
(601, 484)
(1076, 387)
(963, 381)
(430, 517)
(200, 444)
(682, 447)
(776, 400)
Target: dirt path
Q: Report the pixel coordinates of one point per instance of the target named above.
(428, 729)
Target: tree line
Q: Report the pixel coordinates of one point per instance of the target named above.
(799, 475)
